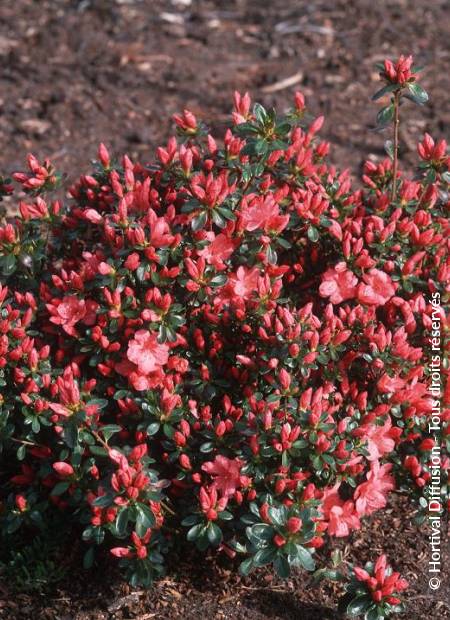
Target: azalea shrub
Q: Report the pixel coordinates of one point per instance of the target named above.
(229, 345)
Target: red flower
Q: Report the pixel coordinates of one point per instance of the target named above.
(67, 313)
(226, 474)
(377, 290)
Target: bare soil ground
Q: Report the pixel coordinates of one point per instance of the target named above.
(76, 72)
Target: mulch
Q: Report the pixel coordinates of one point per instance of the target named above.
(197, 587)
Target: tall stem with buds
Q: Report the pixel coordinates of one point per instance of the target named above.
(396, 105)
(400, 82)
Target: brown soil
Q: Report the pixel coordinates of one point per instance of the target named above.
(76, 72)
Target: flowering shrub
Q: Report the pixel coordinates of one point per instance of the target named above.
(229, 344)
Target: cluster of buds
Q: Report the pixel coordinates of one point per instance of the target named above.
(383, 584)
(399, 72)
(41, 176)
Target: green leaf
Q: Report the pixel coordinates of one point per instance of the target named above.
(389, 88)
(70, 435)
(417, 93)
(121, 394)
(109, 430)
(305, 558)
(264, 556)
(218, 219)
(60, 488)
(98, 451)
(190, 520)
(281, 566)
(9, 264)
(218, 280)
(198, 223)
(260, 113)
(313, 234)
(278, 516)
(153, 428)
(385, 115)
(389, 148)
(245, 567)
(372, 614)
(262, 531)
(122, 522)
(102, 501)
(214, 534)
(145, 519)
(195, 532)
(358, 605)
(88, 559)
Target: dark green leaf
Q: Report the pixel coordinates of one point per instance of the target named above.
(358, 605)
(246, 567)
(198, 223)
(389, 88)
(417, 93)
(281, 566)
(385, 115)
(214, 534)
(88, 559)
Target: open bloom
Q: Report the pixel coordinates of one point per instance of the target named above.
(338, 284)
(372, 494)
(379, 438)
(67, 313)
(226, 474)
(146, 352)
(220, 248)
(264, 214)
(340, 514)
(377, 288)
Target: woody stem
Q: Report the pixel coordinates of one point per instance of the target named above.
(395, 153)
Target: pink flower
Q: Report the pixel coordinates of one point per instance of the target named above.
(67, 312)
(243, 283)
(379, 439)
(340, 514)
(226, 474)
(264, 214)
(220, 248)
(372, 495)
(377, 290)
(338, 284)
(146, 352)
(387, 384)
